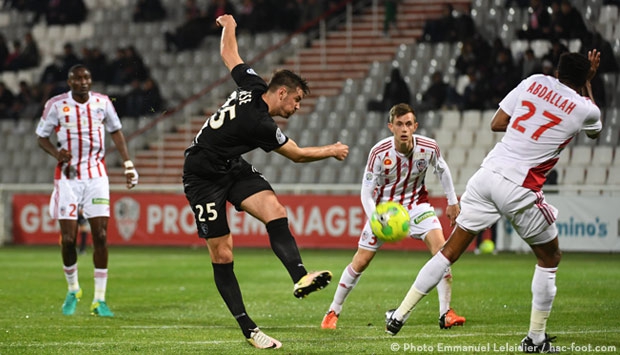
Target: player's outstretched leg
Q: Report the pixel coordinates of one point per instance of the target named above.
(450, 319)
(260, 340)
(393, 325)
(528, 346)
(330, 320)
(313, 281)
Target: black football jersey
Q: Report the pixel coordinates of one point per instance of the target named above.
(242, 123)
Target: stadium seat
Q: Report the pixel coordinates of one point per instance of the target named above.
(611, 117)
(596, 176)
(326, 137)
(308, 173)
(464, 173)
(580, 156)
(613, 177)
(609, 136)
(476, 155)
(471, 119)
(307, 138)
(540, 47)
(573, 175)
(289, 174)
(444, 138)
(455, 157)
(602, 156)
(450, 120)
(430, 120)
(485, 139)
(350, 174)
(464, 138)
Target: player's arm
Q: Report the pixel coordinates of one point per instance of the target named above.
(368, 202)
(121, 145)
(500, 121)
(445, 177)
(372, 171)
(595, 60)
(229, 49)
(298, 154)
(61, 155)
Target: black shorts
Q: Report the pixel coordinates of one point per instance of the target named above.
(208, 192)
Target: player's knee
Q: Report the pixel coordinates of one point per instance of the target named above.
(278, 210)
(556, 256)
(68, 239)
(361, 260)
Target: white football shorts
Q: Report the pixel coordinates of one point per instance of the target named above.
(422, 219)
(489, 195)
(92, 194)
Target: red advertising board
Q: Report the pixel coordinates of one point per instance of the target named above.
(317, 221)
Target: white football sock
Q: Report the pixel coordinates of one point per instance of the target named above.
(429, 276)
(444, 291)
(543, 294)
(71, 275)
(347, 282)
(101, 281)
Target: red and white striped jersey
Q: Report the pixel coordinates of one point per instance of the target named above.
(393, 176)
(545, 116)
(79, 129)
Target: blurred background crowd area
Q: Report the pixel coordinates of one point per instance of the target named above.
(447, 59)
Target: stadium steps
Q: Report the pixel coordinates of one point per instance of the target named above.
(326, 65)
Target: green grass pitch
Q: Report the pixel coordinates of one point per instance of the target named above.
(165, 302)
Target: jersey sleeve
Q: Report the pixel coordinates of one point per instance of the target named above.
(369, 182)
(112, 121)
(49, 120)
(592, 124)
(445, 177)
(268, 136)
(246, 78)
(510, 101)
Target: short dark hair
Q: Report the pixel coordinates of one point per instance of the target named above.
(289, 79)
(573, 68)
(74, 68)
(400, 110)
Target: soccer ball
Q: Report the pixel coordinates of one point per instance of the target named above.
(487, 246)
(390, 221)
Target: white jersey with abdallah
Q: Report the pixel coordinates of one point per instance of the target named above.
(545, 116)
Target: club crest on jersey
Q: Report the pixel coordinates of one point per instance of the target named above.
(99, 114)
(366, 235)
(421, 164)
(387, 163)
(66, 109)
(280, 137)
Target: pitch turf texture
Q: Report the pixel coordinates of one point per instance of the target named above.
(165, 302)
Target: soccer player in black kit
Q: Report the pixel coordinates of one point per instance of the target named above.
(214, 173)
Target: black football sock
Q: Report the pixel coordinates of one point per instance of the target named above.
(284, 246)
(227, 285)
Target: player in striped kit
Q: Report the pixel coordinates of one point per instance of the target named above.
(80, 118)
(540, 117)
(395, 171)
